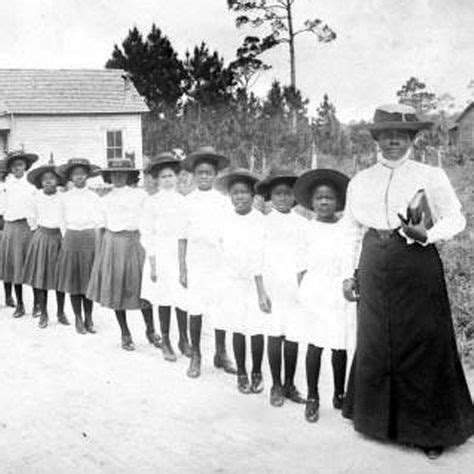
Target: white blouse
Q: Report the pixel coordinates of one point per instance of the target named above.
(48, 210)
(377, 194)
(121, 209)
(80, 207)
(18, 199)
(163, 220)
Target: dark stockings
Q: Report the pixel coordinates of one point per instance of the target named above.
(19, 294)
(290, 355)
(148, 318)
(274, 358)
(121, 316)
(256, 342)
(220, 341)
(195, 325)
(339, 363)
(238, 344)
(164, 314)
(182, 318)
(76, 303)
(8, 290)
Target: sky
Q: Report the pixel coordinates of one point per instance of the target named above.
(380, 43)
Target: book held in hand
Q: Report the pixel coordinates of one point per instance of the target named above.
(419, 208)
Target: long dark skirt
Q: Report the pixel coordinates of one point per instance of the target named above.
(75, 261)
(406, 382)
(116, 277)
(15, 242)
(39, 269)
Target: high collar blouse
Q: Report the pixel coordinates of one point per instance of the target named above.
(80, 207)
(121, 209)
(18, 199)
(377, 194)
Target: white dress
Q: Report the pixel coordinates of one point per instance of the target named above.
(328, 319)
(206, 211)
(162, 225)
(242, 258)
(283, 259)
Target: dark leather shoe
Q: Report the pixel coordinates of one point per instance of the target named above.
(184, 347)
(433, 452)
(257, 382)
(243, 384)
(43, 322)
(127, 343)
(291, 392)
(62, 319)
(36, 312)
(80, 329)
(311, 412)
(90, 328)
(19, 311)
(9, 302)
(337, 401)
(222, 361)
(154, 339)
(167, 349)
(277, 398)
(194, 370)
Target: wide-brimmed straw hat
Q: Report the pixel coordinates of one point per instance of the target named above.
(163, 160)
(397, 117)
(66, 169)
(28, 158)
(274, 177)
(224, 182)
(205, 153)
(306, 184)
(34, 176)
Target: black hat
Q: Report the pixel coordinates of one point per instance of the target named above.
(206, 153)
(307, 183)
(396, 117)
(34, 176)
(224, 182)
(28, 158)
(66, 169)
(275, 176)
(164, 160)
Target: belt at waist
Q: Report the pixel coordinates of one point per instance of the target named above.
(49, 230)
(17, 221)
(123, 233)
(385, 234)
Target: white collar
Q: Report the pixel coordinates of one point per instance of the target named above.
(393, 164)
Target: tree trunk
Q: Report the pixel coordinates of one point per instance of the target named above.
(291, 45)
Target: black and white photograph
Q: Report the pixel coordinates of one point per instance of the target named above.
(236, 236)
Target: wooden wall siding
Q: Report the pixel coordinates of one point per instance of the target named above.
(75, 136)
(466, 131)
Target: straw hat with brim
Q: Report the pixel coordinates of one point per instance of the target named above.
(28, 158)
(307, 183)
(35, 175)
(275, 177)
(162, 161)
(208, 154)
(397, 117)
(237, 175)
(66, 169)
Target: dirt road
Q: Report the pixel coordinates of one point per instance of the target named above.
(80, 404)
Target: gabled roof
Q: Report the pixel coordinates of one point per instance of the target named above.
(465, 111)
(68, 91)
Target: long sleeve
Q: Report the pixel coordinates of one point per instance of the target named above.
(353, 234)
(2, 199)
(147, 227)
(446, 207)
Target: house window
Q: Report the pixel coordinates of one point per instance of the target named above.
(114, 144)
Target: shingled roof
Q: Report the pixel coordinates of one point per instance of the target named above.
(68, 91)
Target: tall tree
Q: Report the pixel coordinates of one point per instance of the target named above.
(415, 94)
(154, 67)
(278, 16)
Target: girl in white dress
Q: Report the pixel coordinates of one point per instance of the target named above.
(326, 314)
(245, 302)
(162, 227)
(283, 263)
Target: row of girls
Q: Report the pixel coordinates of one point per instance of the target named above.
(220, 262)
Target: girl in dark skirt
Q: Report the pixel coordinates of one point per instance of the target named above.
(7, 286)
(75, 260)
(116, 276)
(39, 270)
(19, 211)
(406, 382)
(283, 264)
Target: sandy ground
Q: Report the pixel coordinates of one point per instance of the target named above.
(80, 404)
